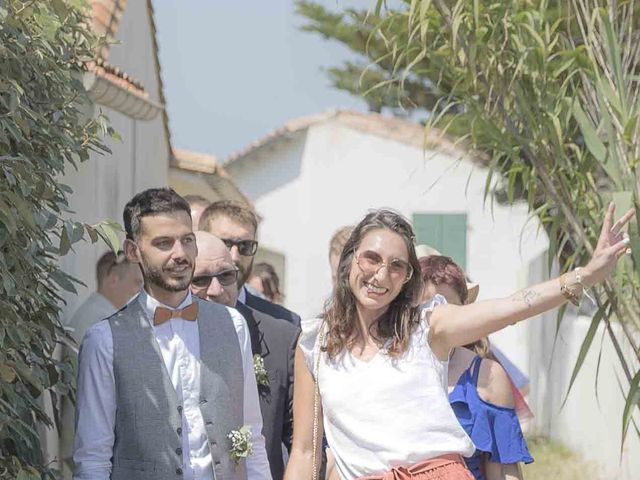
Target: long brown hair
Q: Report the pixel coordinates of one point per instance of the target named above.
(402, 315)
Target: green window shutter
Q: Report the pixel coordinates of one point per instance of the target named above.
(446, 232)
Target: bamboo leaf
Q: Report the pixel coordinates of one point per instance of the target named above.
(632, 400)
(594, 144)
(607, 92)
(595, 387)
(613, 52)
(378, 9)
(623, 202)
(630, 128)
(584, 348)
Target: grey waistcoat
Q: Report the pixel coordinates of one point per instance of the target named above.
(148, 425)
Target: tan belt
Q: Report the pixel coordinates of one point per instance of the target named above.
(426, 466)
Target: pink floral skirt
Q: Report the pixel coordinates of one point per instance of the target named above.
(444, 467)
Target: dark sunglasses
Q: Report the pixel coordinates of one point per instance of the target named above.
(226, 278)
(247, 248)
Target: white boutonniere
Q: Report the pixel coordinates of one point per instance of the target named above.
(260, 371)
(241, 447)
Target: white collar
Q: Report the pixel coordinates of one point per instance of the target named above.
(242, 295)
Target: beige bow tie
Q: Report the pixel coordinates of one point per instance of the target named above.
(162, 314)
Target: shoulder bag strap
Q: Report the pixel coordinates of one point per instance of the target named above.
(316, 402)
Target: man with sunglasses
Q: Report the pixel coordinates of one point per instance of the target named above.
(272, 339)
(236, 225)
(215, 277)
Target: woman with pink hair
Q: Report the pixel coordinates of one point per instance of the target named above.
(480, 391)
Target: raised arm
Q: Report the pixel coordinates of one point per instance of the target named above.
(453, 326)
(301, 460)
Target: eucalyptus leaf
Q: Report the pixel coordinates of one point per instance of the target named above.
(65, 241)
(42, 44)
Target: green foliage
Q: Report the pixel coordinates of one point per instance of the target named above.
(548, 92)
(372, 74)
(45, 127)
(551, 95)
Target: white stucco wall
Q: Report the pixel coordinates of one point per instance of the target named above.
(307, 185)
(590, 422)
(140, 160)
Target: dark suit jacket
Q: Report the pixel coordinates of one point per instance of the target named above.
(273, 309)
(275, 340)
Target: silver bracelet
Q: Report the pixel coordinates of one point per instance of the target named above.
(585, 289)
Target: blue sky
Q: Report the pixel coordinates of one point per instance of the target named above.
(235, 69)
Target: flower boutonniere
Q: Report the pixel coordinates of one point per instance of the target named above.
(259, 369)
(241, 447)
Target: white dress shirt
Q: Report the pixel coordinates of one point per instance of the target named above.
(179, 344)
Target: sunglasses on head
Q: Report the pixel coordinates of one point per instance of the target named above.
(225, 277)
(247, 248)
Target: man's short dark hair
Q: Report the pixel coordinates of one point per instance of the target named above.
(152, 201)
(233, 210)
(194, 200)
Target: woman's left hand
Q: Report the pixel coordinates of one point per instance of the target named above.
(612, 244)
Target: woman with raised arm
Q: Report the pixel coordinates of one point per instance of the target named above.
(372, 372)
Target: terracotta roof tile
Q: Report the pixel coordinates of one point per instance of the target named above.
(118, 77)
(105, 19)
(196, 162)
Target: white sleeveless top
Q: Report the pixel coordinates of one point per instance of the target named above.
(385, 412)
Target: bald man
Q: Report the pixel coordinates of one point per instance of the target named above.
(274, 339)
(215, 277)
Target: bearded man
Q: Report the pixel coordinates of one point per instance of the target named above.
(166, 385)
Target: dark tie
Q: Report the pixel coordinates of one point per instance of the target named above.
(162, 314)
